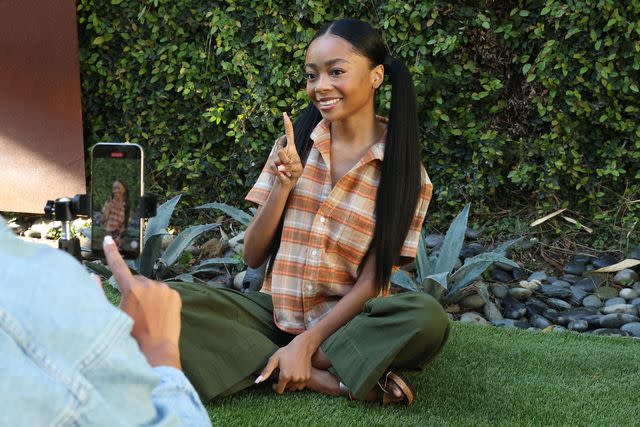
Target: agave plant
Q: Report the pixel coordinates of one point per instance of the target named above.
(153, 262)
(239, 215)
(435, 273)
(253, 277)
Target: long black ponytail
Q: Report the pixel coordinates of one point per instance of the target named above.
(399, 187)
(400, 181)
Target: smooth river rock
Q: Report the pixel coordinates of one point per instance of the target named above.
(632, 328)
(574, 268)
(588, 284)
(558, 303)
(592, 301)
(512, 308)
(433, 240)
(617, 320)
(571, 278)
(519, 293)
(583, 259)
(614, 301)
(472, 234)
(511, 323)
(575, 314)
(561, 283)
(532, 285)
(491, 312)
(471, 250)
(578, 325)
(621, 309)
(604, 261)
(555, 291)
(474, 302)
(539, 321)
(519, 273)
(535, 306)
(625, 277)
(577, 295)
(499, 290)
(540, 276)
(472, 317)
(501, 276)
(629, 294)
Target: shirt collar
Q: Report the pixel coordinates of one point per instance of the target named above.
(321, 137)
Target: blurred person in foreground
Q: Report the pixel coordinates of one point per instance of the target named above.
(69, 357)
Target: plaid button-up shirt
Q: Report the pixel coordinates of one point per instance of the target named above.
(327, 232)
(113, 216)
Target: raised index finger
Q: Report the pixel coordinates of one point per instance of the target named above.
(117, 265)
(288, 131)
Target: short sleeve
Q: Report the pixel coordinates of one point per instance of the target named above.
(261, 189)
(410, 246)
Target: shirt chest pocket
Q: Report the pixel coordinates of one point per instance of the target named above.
(351, 237)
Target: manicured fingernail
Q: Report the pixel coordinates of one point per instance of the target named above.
(108, 240)
(258, 380)
(281, 168)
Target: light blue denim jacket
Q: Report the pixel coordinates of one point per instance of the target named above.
(67, 356)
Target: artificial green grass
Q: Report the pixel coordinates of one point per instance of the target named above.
(484, 376)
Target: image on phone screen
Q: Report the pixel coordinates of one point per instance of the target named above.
(116, 175)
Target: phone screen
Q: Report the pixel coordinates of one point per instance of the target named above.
(116, 188)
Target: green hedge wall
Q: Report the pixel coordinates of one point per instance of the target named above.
(521, 103)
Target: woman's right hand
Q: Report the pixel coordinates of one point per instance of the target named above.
(285, 161)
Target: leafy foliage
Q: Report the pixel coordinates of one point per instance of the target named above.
(534, 98)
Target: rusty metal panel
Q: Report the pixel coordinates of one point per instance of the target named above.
(41, 146)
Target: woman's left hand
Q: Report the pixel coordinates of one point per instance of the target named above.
(294, 362)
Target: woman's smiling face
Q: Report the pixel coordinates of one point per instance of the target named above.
(117, 189)
(340, 81)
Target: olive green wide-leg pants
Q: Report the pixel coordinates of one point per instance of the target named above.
(227, 338)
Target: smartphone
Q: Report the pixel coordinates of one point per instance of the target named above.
(116, 189)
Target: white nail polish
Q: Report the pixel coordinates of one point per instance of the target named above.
(258, 380)
(108, 240)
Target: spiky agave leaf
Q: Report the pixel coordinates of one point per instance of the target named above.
(452, 243)
(404, 281)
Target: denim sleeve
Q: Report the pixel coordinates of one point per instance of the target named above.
(176, 394)
(67, 356)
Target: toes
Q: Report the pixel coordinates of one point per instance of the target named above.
(395, 390)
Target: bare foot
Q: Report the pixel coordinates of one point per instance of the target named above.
(395, 393)
(325, 382)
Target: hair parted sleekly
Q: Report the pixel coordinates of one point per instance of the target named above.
(399, 188)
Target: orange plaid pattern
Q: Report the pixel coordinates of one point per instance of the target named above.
(113, 216)
(326, 233)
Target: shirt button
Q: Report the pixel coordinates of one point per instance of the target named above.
(322, 219)
(309, 288)
(314, 252)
